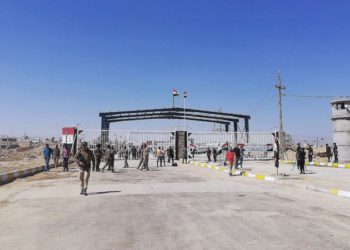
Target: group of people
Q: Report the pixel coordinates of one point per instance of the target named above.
(301, 155)
(56, 154)
(234, 157)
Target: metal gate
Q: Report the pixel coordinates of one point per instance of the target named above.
(257, 145)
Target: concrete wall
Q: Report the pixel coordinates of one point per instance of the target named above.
(341, 127)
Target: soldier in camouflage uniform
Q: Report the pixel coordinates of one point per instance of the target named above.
(83, 158)
(145, 158)
(98, 156)
(56, 155)
(108, 154)
(141, 156)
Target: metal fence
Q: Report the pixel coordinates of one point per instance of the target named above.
(257, 145)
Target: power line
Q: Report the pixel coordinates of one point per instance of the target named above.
(316, 96)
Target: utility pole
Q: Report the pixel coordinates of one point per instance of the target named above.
(280, 87)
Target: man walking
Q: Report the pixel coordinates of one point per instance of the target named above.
(84, 158)
(126, 155)
(141, 156)
(47, 152)
(98, 157)
(237, 156)
(145, 158)
(56, 155)
(335, 152)
(241, 155)
(163, 156)
(108, 154)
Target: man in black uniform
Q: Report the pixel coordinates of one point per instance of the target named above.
(297, 156)
(208, 154)
(215, 154)
(301, 161)
(328, 152)
(335, 152)
(310, 153)
(237, 155)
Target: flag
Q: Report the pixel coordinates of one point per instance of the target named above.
(185, 94)
(175, 93)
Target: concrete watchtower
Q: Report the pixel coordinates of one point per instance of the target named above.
(341, 127)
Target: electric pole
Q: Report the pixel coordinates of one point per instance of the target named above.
(280, 87)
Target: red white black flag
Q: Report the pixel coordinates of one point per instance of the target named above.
(175, 93)
(185, 94)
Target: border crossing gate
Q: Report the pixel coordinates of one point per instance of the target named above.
(257, 145)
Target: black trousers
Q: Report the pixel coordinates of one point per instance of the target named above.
(310, 158)
(97, 164)
(302, 167)
(65, 164)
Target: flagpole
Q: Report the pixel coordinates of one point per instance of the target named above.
(185, 113)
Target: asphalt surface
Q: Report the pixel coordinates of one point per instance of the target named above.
(181, 207)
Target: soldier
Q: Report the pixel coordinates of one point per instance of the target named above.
(145, 159)
(141, 156)
(328, 152)
(310, 153)
(126, 155)
(107, 156)
(237, 155)
(83, 158)
(208, 154)
(98, 157)
(301, 160)
(241, 155)
(335, 152)
(56, 155)
(65, 156)
(170, 154)
(215, 154)
(112, 156)
(297, 155)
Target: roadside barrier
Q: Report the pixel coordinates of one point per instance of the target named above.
(321, 164)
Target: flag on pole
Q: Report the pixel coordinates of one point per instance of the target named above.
(185, 94)
(175, 93)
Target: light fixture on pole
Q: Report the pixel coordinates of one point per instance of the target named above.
(185, 97)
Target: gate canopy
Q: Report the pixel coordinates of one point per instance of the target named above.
(175, 113)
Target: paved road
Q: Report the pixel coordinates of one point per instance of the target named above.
(168, 208)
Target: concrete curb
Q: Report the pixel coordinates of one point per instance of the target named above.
(13, 175)
(322, 164)
(334, 191)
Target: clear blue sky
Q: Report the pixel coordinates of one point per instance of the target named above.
(62, 62)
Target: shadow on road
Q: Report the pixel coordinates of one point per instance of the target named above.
(104, 192)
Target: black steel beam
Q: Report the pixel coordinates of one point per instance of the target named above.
(169, 117)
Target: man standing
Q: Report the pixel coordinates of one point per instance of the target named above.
(184, 156)
(208, 154)
(241, 155)
(126, 155)
(328, 152)
(301, 161)
(56, 155)
(310, 153)
(237, 155)
(98, 157)
(276, 153)
(230, 156)
(84, 158)
(170, 154)
(335, 152)
(65, 156)
(163, 156)
(159, 156)
(297, 155)
(215, 154)
(145, 158)
(47, 152)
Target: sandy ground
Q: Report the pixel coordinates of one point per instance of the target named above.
(168, 208)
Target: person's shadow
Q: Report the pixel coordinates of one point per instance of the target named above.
(103, 192)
